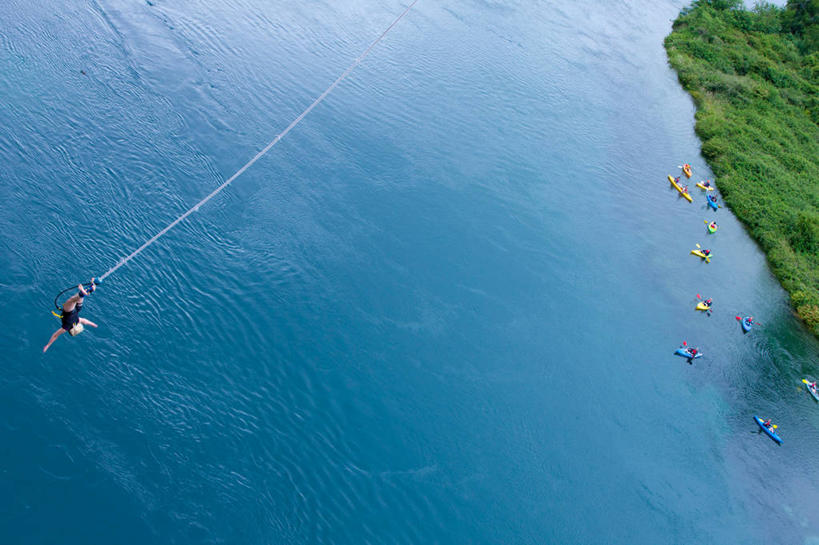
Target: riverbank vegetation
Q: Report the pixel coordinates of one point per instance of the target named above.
(754, 76)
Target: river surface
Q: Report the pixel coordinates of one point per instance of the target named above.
(442, 310)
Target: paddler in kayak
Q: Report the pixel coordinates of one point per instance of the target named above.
(691, 352)
(713, 226)
(707, 184)
(71, 320)
(768, 424)
(706, 253)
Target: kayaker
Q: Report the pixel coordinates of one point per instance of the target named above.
(706, 252)
(768, 424)
(708, 302)
(712, 225)
(812, 385)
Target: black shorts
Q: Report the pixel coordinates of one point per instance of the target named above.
(70, 319)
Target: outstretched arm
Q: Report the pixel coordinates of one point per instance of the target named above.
(53, 338)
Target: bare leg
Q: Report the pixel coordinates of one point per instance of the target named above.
(71, 302)
(88, 322)
(53, 338)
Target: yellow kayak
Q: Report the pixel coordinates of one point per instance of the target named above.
(699, 253)
(703, 306)
(704, 187)
(687, 170)
(679, 188)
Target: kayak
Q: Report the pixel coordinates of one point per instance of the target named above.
(684, 353)
(713, 204)
(699, 253)
(772, 434)
(679, 188)
(702, 305)
(687, 170)
(712, 228)
(747, 324)
(705, 187)
(813, 391)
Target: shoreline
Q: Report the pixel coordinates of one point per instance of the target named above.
(754, 84)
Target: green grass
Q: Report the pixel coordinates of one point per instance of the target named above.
(754, 76)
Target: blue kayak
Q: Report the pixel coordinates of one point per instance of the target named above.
(684, 353)
(747, 324)
(772, 434)
(712, 204)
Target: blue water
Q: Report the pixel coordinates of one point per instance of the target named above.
(442, 310)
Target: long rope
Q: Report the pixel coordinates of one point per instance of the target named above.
(259, 155)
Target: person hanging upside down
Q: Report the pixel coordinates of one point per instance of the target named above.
(71, 314)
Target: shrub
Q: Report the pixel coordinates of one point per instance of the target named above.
(754, 77)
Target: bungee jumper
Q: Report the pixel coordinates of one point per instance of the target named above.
(70, 312)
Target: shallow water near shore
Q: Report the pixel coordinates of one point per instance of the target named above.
(442, 310)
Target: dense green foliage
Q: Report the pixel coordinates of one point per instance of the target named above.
(754, 76)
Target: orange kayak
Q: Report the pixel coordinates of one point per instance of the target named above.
(687, 170)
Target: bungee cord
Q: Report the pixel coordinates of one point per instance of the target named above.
(261, 153)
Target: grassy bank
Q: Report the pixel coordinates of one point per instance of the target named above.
(754, 76)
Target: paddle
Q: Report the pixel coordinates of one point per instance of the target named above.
(754, 322)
